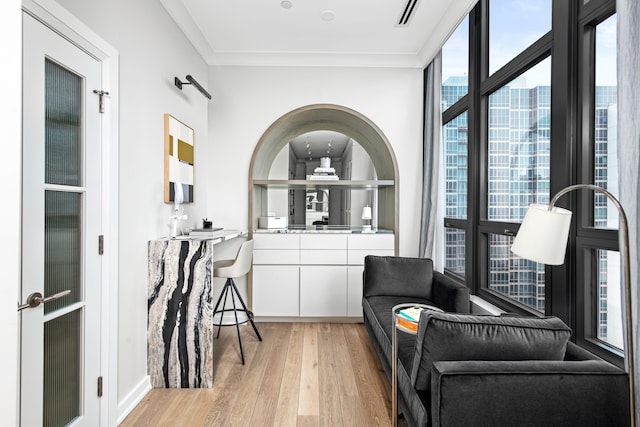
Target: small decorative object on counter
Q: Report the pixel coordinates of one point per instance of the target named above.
(206, 223)
(178, 210)
(366, 219)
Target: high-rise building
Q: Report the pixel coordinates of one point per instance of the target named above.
(518, 166)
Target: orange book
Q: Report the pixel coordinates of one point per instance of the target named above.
(407, 324)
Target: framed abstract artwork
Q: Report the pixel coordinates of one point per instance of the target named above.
(178, 160)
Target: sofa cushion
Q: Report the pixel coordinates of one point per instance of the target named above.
(398, 276)
(447, 336)
(378, 311)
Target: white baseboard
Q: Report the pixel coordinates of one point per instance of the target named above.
(131, 400)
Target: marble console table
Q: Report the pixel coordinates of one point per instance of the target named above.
(180, 310)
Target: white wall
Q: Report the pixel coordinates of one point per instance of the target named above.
(247, 100)
(152, 51)
(10, 176)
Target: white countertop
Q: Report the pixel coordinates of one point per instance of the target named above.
(218, 236)
(314, 231)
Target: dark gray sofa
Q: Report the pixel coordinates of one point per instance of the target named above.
(464, 370)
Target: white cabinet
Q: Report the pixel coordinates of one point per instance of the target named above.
(323, 275)
(276, 275)
(354, 290)
(323, 291)
(359, 246)
(312, 275)
(276, 241)
(276, 290)
(323, 249)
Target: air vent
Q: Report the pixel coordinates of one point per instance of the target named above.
(407, 13)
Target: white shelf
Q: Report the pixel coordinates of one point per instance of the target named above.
(299, 184)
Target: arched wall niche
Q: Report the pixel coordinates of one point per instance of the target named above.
(334, 118)
(324, 117)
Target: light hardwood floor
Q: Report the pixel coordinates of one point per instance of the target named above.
(301, 374)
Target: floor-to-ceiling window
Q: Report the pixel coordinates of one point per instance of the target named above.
(529, 107)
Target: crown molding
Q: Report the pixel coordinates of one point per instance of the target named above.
(419, 59)
(188, 26)
(315, 59)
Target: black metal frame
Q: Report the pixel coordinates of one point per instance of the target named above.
(570, 43)
(230, 288)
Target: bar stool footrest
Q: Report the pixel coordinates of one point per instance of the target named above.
(227, 317)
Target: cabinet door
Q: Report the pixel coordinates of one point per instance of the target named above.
(371, 241)
(323, 257)
(323, 241)
(276, 290)
(356, 256)
(361, 245)
(276, 256)
(323, 290)
(276, 241)
(354, 290)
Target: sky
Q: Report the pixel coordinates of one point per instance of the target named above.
(516, 24)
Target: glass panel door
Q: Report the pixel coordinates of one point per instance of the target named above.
(63, 244)
(60, 341)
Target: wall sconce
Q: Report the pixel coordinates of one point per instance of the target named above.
(366, 219)
(191, 81)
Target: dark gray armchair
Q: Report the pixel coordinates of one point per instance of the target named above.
(468, 370)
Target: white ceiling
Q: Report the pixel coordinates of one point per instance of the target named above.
(318, 143)
(362, 33)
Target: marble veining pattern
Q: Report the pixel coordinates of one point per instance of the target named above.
(179, 329)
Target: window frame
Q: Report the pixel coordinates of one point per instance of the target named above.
(589, 238)
(571, 45)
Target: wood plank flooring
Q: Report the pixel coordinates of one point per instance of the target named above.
(301, 374)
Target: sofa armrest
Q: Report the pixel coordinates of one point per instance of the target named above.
(528, 393)
(450, 295)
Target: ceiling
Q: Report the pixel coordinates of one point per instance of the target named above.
(359, 33)
(317, 143)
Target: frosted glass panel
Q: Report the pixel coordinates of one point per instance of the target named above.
(63, 126)
(62, 246)
(62, 369)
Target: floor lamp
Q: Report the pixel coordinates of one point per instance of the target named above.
(542, 238)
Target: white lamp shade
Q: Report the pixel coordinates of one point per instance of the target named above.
(543, 235)
(366, 212)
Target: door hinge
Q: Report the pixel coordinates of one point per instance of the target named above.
(100, 386)
(101, 94)
(100, 244)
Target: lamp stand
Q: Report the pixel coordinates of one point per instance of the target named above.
(626, 278)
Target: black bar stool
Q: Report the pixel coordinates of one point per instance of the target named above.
(231, 269)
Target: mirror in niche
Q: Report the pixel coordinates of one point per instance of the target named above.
(322, 156)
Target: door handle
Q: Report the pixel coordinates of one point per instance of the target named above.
(36, 298)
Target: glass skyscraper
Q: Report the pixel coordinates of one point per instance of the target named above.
(517, 165)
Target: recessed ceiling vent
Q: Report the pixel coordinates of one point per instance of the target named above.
(407, 13)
